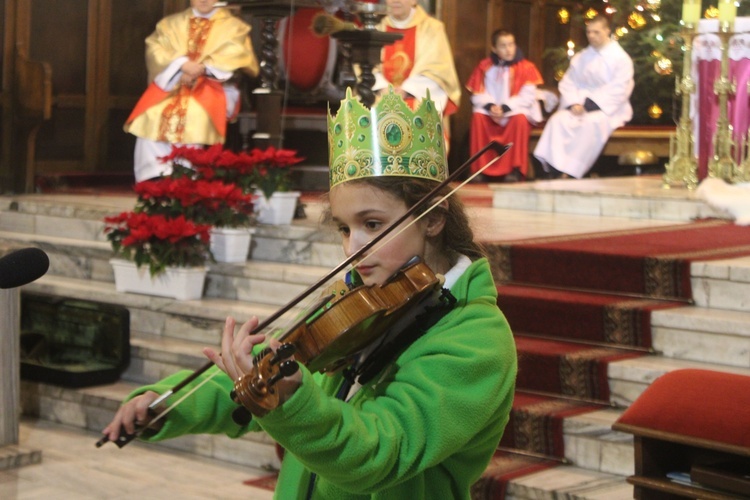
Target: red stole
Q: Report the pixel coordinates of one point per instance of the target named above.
(398, 58)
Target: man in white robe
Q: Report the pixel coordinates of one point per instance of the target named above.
(594, 101)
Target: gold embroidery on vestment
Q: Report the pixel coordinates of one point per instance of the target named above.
(173, 117)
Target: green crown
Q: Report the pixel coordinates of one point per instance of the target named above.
(389, 139)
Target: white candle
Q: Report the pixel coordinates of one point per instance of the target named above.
(691, 12)
(727, 12)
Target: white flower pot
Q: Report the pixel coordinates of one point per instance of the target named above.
(278, 210)
(181, 283)
(230, 244)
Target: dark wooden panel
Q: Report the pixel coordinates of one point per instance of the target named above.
(2, 62)
(120, 144)
(2, 42)
(58, 31)
(133, 21)
(466, 23)
(518, 20)
(61, 138)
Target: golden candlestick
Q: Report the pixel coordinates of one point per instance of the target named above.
(682, 169)
(742, 172)
(723, 164)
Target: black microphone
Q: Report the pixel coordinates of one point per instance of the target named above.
(22, 266)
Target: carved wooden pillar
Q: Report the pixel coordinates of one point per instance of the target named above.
(268, 97)
(366, 48)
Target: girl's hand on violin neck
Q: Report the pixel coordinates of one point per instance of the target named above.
(236, 358)
(130, 414)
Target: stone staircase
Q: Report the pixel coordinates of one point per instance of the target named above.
(167, 335)
(713, 333)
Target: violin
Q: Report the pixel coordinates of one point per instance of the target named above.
(348, 322)
(314, 351)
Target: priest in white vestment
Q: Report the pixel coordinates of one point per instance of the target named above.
(190, 56)
(594, 101)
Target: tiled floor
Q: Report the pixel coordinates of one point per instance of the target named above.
(72, 467)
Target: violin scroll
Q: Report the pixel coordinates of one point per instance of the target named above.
(256, 390)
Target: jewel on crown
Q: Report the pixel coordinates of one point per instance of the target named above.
(389, 139)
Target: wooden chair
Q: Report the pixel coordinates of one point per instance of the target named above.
(33, 94)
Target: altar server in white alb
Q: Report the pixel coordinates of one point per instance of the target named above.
(594, 101)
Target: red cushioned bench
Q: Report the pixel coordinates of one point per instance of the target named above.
(692, 436)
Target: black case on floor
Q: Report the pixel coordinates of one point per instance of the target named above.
(73, 343)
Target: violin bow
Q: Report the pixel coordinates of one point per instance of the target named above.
(498, 148)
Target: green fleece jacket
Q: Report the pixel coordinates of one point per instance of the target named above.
(425, 427)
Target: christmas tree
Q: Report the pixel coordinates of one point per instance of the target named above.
(649, 31)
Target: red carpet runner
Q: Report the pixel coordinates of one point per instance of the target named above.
(652, 261)
(577, 303)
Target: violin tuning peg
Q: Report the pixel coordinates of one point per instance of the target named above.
(283, 352)
(286, 368)
(286, 350)
(289, 367)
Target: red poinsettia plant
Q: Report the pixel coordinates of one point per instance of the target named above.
(213, 203)
(264, 169)
(170, 224)
(158, 241)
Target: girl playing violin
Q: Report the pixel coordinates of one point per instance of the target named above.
(425, 421)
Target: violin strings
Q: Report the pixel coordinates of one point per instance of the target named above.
(292, 318)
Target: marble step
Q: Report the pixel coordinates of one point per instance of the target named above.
(589, 440)
(290, 244)
(75, 223)
(92, 408)
(569, 483)
(722, 284)
(63, 216)
(195, 320)
(703, 334)
(637, 197)
(255, 280)
(261, 281)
